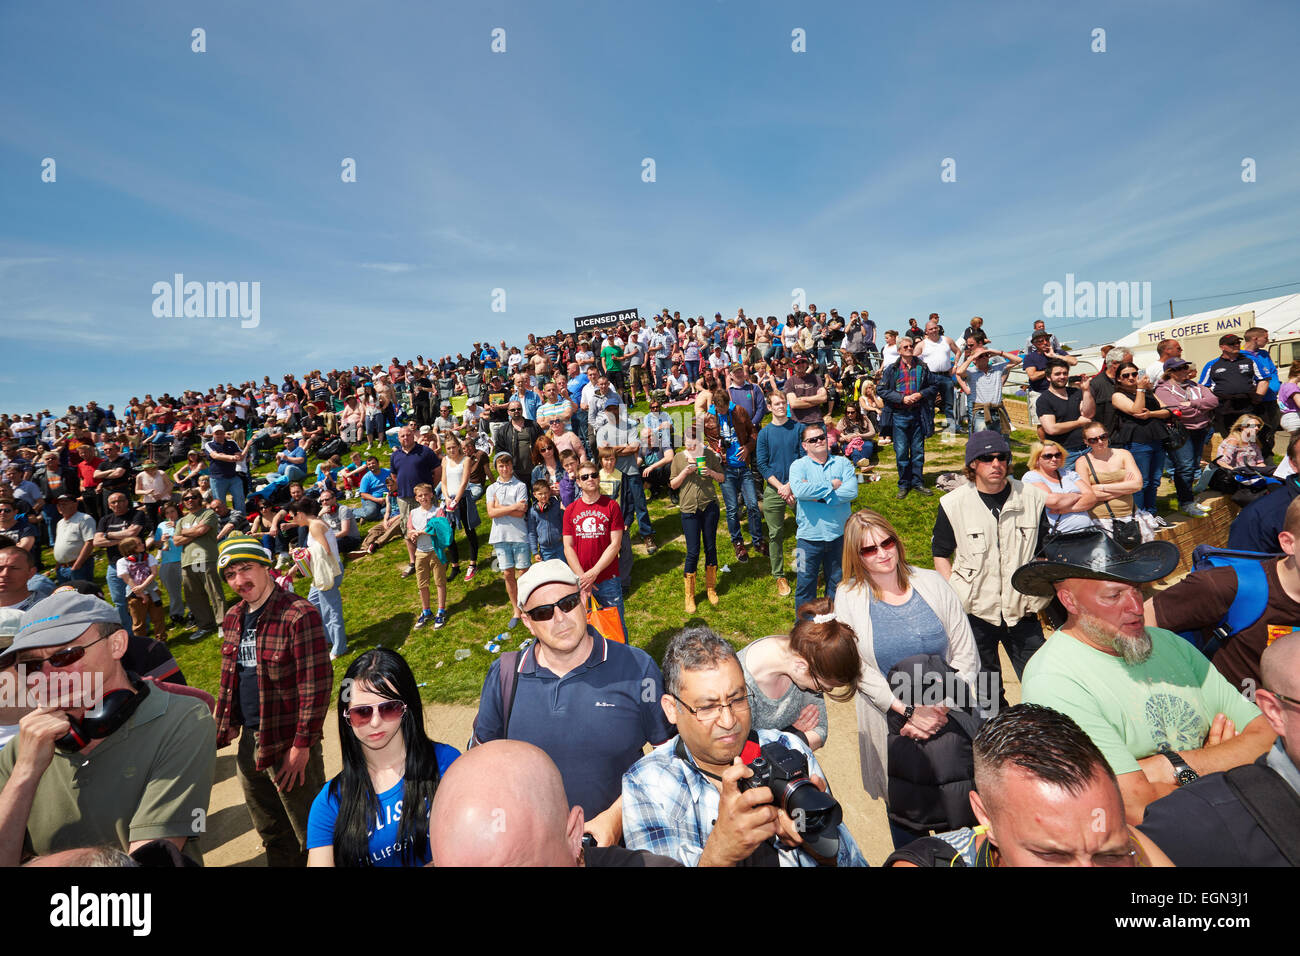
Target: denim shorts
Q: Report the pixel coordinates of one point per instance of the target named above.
(513, 554)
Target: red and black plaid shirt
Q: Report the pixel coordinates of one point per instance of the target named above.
(294, 677)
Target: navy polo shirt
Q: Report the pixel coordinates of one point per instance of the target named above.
(593, 722)
(412, 468)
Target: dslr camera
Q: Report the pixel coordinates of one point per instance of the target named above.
(785, 772)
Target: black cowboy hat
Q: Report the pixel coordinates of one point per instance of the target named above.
(1094, 554)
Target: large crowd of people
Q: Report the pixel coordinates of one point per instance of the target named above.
(1170, 709)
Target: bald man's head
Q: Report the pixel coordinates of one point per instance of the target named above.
(1279, 666)
(503, 804)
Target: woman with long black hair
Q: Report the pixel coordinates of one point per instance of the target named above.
(376, 811)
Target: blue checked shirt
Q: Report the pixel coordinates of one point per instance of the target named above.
(670, 806)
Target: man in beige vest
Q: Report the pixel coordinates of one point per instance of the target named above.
(984, 531)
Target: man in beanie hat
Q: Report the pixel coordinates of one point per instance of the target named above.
(984, 531)
(275, 690)
(1150, 701)
(153, 757)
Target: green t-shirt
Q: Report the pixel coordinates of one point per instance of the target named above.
(201, 553)
(1133, 711)
(611, 356)
(148, 780)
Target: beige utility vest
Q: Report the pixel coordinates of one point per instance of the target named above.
(990, 550)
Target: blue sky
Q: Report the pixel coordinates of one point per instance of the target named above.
(522, 170)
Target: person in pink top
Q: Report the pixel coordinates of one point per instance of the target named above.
(1193, 406)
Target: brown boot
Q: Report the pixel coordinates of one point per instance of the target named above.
(711, 583)
(690, 594)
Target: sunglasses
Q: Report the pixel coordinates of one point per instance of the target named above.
(996, 456)
(1129, 375)
(361, 715)
(588, 477)
(64, 657)
(814, 440)
(544, 612)
(1051, 454)
(1099, 440)
(869, 550)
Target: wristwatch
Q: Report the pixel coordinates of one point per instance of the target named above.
(1183, 774)
(907, 714)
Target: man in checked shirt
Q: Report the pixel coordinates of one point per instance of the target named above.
(276, 681)
(682, 800)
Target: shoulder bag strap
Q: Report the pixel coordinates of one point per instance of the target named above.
(1273, 804)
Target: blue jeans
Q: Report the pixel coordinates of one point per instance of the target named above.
(1185, 460)
(229, 486)
(814, 559)
(864, 453)
(692, 369)
(1071, 456)
(947, 389)
(293, 472)
(1151, 463)
(369, 511)
(700, 526)
(330, 605)
(85, 573)
(740, 482)
(634, 494)
(610, 593)
(909, 447)
(662, 366)
(117, 592)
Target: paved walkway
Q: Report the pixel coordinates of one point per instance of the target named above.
(231, 840)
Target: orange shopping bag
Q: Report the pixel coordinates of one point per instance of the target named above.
(606, 621)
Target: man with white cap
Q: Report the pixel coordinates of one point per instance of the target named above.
(589, 703)
(153, 752)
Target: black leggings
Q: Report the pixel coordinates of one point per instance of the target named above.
(471, 534)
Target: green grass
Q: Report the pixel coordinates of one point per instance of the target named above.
(380, 607)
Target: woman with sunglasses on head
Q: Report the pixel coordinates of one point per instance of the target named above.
(1111, 476)
(787, 677)
(1140, 428)
(1241, 448)
(1067, 500)
(897, 611)
(376, 811)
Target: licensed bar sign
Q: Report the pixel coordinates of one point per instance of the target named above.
(602, 320)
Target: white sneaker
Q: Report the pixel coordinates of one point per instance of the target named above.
(1193, 510)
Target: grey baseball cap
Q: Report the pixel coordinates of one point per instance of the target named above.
(58, 620)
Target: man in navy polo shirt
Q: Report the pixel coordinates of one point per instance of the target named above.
(412, 464)
(590, 704)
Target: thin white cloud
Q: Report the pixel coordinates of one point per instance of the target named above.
(393, 268)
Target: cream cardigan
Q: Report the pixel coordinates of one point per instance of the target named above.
(852, 606)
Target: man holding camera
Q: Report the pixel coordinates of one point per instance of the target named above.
(150, 775)
(686, 799)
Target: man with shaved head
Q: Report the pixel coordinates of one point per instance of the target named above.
(1245, 817)
(1044, 796)
(503, 804)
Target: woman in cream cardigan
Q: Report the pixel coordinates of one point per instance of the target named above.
(896, 610)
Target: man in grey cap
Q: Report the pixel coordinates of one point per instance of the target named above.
(589, 703)
(154, 752)
(1151, 702)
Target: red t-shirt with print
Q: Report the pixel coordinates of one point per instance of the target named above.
(590, 527)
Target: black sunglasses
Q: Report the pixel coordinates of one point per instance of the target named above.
(996, 456)
(64, 657)
(814, 439)
(588, 476)
(544, 612)
(361, 715)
